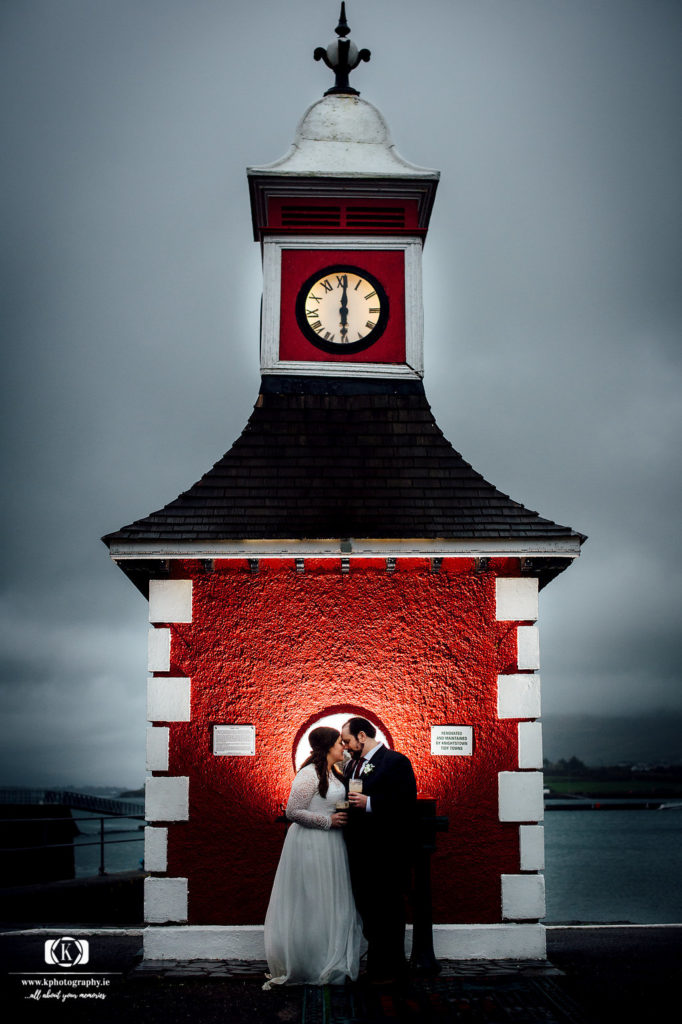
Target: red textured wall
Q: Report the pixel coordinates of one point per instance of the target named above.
(417, 648)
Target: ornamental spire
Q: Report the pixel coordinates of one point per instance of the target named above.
(341, 56)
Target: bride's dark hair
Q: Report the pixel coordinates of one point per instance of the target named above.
(321, 741)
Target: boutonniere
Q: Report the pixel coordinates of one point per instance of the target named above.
(369, 767)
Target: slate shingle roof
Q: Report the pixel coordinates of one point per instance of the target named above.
(326, 458)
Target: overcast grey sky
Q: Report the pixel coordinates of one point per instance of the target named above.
(131, 293)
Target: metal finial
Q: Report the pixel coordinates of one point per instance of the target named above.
(341, 56)
(342, 29)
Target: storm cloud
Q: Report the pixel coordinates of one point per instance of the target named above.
(132, 294)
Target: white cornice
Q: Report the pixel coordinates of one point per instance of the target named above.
(565, 547)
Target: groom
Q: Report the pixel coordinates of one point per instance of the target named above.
(380, 837)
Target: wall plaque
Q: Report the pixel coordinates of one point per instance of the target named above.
(234, 740)
(452, 739)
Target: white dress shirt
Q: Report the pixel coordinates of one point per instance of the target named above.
(368, 757)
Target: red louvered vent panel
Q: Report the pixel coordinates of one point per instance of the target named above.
(310, 216)
(375, 217)
(319, 215)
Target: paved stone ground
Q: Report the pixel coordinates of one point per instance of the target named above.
(493, 999)
(257, 968)
(594, 976)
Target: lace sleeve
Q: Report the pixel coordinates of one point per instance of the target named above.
(303, 790)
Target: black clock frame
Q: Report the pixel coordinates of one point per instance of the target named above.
(342, 347)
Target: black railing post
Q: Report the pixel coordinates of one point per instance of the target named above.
(423, 958)
(101, 847)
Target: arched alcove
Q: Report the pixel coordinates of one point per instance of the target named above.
(334, 717)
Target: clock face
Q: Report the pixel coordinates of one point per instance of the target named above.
(342, 309)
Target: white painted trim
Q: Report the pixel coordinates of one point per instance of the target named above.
(158, 740)
(520, 796)
(518, 696)
(532, 847)
(165, 899)
(364, 547)
(489, 941)
(166, 798)
(516, 599)
(523, 897)
(168, 699)
(274, 245)
(272, 301)
(530, 745)
(414, 306)
(245, 942)
(170, 600)
(205, 942)
(155, 849)
(299, 367)
(158, 650)
(528, 648)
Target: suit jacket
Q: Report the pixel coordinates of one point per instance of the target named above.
(392, 788)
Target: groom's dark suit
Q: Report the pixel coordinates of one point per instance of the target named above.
(380, 844)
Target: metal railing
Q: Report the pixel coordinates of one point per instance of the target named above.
(70, 798)
(102, 842)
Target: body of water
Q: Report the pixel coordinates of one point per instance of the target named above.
(613, 865)
(601, 866)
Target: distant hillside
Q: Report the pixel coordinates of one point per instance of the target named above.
(602, 740)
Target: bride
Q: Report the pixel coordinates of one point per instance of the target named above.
(312, 929)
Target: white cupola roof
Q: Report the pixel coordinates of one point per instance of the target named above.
(343, 136)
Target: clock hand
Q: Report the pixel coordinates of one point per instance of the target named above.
(344, 307)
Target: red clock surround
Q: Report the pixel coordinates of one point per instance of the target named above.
(386, 265)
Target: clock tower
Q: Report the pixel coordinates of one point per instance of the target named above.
(342, 219)
(341, 559)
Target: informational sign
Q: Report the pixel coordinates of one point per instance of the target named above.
(452, 739)
(234, 740)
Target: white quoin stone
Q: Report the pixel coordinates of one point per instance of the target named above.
(170, 600)
(165, 899)
(157, 749)
(155, 849)
(532, 847)
(158, 650)
(518, 696)
(520, 796)
(530, 744)
(523, 897)
(516, 599)
(168, 699)
(166, 798)
(528, 647)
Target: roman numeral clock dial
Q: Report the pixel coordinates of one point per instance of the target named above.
(342, 309)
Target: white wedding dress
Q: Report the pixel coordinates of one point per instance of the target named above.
(312, 929)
